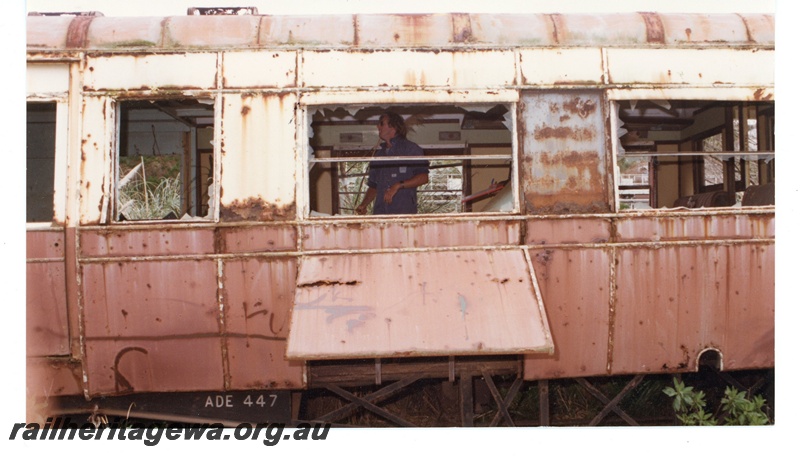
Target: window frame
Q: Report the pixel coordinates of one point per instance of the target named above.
(61, 133)
(309, 161)
(212, 214)
(615, 97)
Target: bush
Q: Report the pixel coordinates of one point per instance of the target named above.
(736, 408)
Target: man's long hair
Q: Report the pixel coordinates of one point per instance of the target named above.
(395, 121)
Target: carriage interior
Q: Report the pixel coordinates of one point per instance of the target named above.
(695, 153)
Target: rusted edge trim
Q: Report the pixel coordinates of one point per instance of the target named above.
(703, 351)
(77, 295)
(540, 305)
(226, 370)
(612, 308)
(295, 254)
(45, 260)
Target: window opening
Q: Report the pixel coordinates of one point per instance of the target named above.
(40, 161)
(165, 160)
(699, 153)
(468, 151)
(713, 167)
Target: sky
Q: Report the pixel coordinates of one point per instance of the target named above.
(13, 249)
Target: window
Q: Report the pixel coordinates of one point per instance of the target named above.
(40, 161)
(469, 151)
(165, 161)
(695, 153)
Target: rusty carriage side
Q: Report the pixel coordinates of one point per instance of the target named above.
(601, 203)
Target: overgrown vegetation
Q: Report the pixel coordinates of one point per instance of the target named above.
(735, 407)
(150, 189)
(437, 403)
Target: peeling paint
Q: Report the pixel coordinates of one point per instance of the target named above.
(255, 209)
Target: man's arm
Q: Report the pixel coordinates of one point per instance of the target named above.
(414, 182)
(368, 198)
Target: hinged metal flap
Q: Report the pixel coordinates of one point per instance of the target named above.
(373, 305)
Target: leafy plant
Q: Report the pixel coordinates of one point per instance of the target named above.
(743, 411)
(737, 409)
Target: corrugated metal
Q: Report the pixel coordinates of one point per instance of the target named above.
(259, 238)
(48, 377)
(575, 290)
(401, 30)
(147, 242)
(417, 304)
(152, 326)
(696, 298)
(358, 235)
(564, 152)
(685, 29)
(622, 299)
(257, 298)
(700, 227)
(47, 325)
(568, 231)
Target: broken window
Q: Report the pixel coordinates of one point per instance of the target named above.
(468, 148)
(695, 153)
(40, 161)
(165, 160)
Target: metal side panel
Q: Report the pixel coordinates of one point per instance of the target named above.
(417, 304)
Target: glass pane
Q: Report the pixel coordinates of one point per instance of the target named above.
(40, 161)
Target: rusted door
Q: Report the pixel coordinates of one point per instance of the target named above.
(564, 152)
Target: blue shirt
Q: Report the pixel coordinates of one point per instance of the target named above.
(384, 174)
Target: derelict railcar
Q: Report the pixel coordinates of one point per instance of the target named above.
(601, 202)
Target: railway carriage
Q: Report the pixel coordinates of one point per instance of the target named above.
(601, 203)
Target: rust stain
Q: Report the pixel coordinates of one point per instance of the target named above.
(356, 37)
(578, 134)
(582, 108)
(324, 283)
(256, 209)
(655, 29)
(462, 28)
(688, 34)
(760, 95)
(746, 28)
(544, 258)
(556, 19)
(573, 159)
(78, 31)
